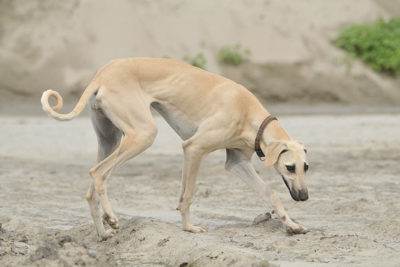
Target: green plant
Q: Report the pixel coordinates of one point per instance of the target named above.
(378, 44)
(233, 54)
(198, 61)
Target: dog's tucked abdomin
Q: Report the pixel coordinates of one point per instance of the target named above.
(207, 111)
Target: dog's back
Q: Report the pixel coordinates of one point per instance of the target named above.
(174, 85)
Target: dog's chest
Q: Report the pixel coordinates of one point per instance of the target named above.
(181, 125)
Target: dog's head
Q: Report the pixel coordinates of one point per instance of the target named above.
(290, 161)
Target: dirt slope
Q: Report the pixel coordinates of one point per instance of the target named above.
(60, 45)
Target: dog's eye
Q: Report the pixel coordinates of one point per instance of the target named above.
(291, 168)
(305, 167)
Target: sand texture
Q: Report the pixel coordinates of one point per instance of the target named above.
(352, 214)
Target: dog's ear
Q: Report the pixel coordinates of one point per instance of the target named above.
(298, 142)
(274, 149)
(302, 145)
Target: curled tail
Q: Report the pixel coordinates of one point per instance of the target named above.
(52, 110)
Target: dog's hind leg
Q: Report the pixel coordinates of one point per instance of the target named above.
(94, 205)
(108, 137)
(136, 122)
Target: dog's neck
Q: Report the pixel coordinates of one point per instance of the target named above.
(273, 132)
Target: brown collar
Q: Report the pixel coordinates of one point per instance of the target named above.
(264, 124)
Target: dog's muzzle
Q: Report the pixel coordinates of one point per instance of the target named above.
(296, 195)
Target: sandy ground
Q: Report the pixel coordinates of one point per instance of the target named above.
(352, 213)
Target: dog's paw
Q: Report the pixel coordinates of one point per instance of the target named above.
(107, 234)
(296, 229)
(112, 222)
(194, 229)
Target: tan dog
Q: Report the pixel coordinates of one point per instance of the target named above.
(207, 111)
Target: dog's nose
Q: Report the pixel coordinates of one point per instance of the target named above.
(303, 196)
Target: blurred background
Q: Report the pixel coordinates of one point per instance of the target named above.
(285, 52)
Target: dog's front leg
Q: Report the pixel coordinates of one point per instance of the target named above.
(238, 162)
(193, 157)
